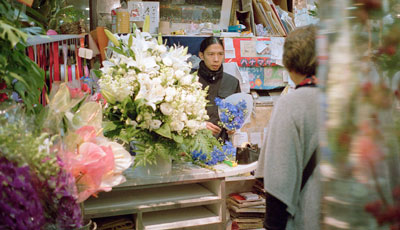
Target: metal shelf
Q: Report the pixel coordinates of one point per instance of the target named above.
(42, 39)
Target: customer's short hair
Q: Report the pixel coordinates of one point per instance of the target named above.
(299, 51)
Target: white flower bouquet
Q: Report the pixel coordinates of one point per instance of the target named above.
(153, 100)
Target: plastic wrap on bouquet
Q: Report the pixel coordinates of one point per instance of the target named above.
(237, 97)
(360, 137)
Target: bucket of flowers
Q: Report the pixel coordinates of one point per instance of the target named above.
(37, 192)
(47, 177)
(153, 100)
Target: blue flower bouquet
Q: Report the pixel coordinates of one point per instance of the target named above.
(227, 152)
(233, 110)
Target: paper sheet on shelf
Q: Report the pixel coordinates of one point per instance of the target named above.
(277, 47)
(239, 138)
(229, 48)
(256, 138)
(260, 47)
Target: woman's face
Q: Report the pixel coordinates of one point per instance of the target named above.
(213, 56)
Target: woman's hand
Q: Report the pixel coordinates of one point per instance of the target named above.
(214, 128)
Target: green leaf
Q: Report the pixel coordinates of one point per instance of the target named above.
(97, 72)
(130, 41)
(139, 104)
(19, 78)
(109, 126)
(134, 27)
(177, 138)
(33, 30)
(41, 116)
(11, 33)
(164, 131)
(118, 50)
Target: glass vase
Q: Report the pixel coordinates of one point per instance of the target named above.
(162, 166)
(358, 52)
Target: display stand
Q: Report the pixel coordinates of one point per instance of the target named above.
(189, 197)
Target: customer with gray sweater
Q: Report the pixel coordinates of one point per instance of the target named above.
(292, 141)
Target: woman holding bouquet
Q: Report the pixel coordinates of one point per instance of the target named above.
(219, 84)
(291, 175)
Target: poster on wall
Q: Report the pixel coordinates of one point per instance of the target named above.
(250, 52)
(139, 10)
(265, 77)
(191, 11)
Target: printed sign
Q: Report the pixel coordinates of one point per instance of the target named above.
(265, 77)
(250, 52)
(139, 10)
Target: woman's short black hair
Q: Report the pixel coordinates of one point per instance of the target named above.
(210, 41)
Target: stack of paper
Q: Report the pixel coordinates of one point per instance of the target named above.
(247, 210)
(259, 188)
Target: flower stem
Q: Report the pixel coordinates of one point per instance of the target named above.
(376, 184)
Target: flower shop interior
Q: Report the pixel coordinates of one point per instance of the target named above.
(106, 123)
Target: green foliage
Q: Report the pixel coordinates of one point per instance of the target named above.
(12, 34)
(51, 13)
(20, 142)
(148, 147)
(314, 12)
(16, 69)
(204, 142)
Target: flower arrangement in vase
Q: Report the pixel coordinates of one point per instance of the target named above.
(45, 178)
(153, 99)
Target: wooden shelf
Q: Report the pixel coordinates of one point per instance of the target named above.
(120, 202)
(179, 218)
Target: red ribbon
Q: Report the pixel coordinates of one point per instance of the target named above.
(78, 65)
(56, 62)
(41, 58)
(51, 68)
(69, 73)
(31, 54)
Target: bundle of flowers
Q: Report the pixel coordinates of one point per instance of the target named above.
(362, 117)
(36, 191)
(227, 152)
(232, 116)
(153, 99)
(95, 162)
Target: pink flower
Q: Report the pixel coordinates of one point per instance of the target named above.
(75, 92)
(95, 162)
(97, 97)
(87, 133)
(3, 85)
(3, 97)
(90, 163)
(368, 149)
(85, 88)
